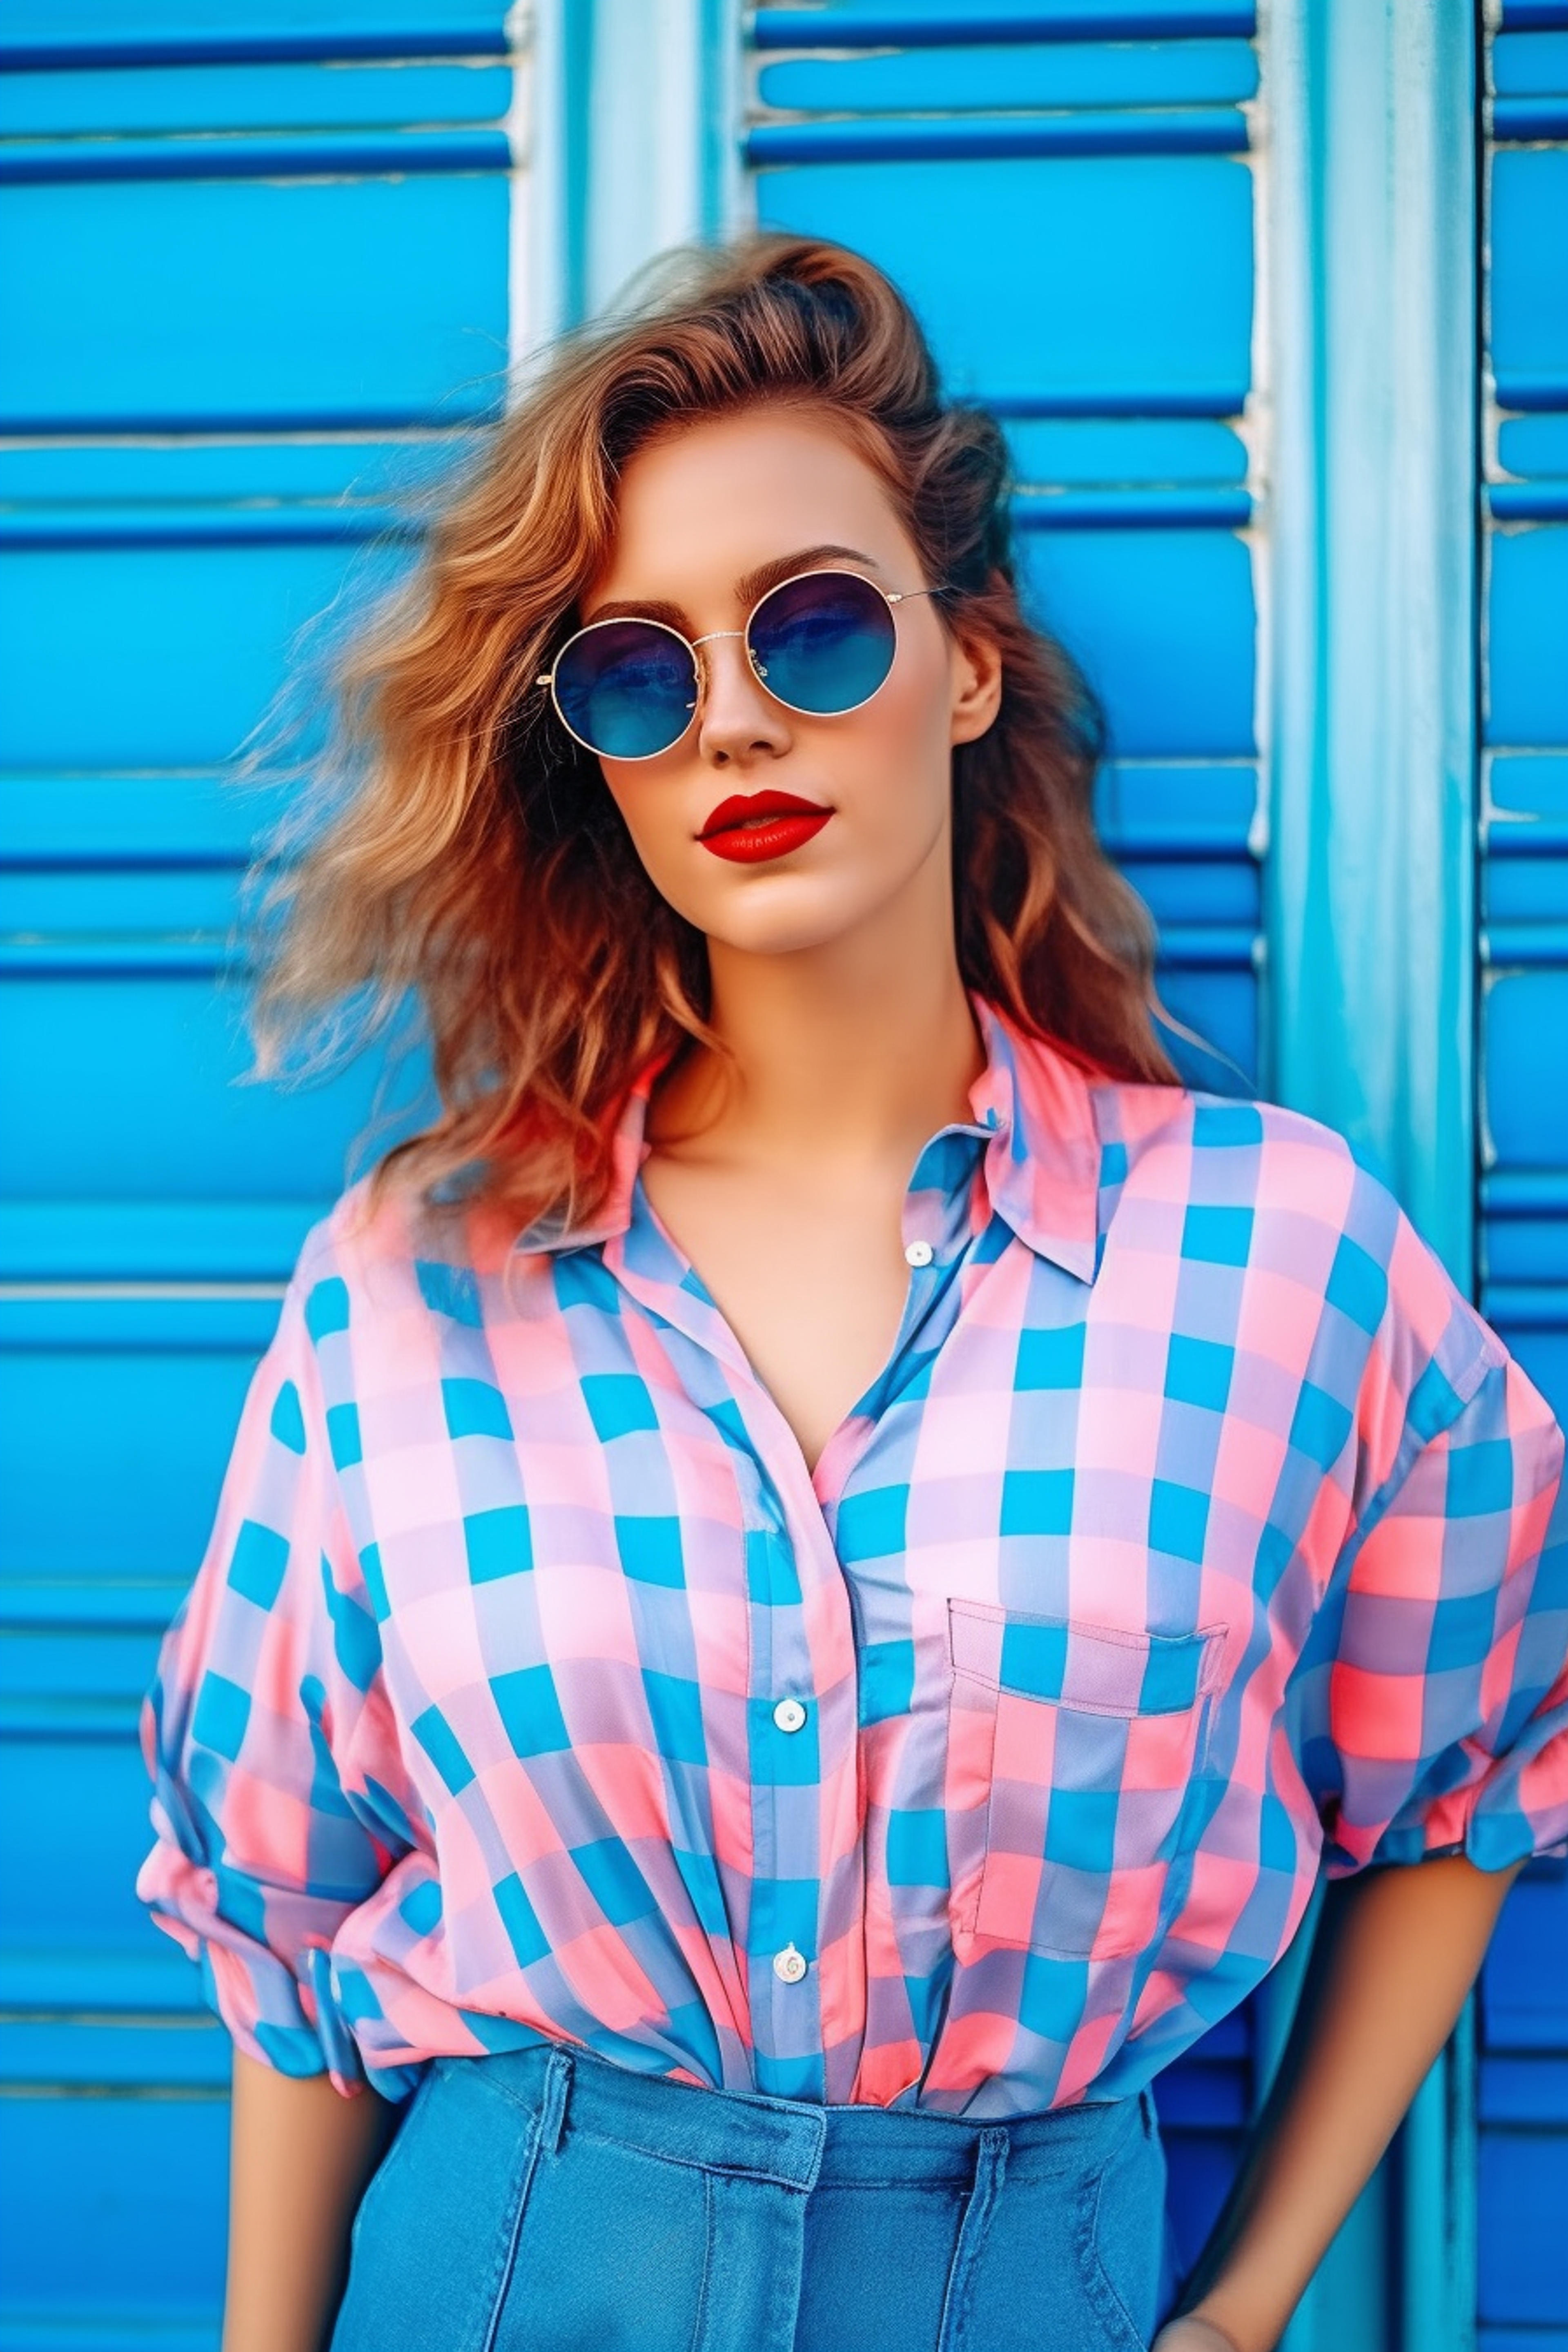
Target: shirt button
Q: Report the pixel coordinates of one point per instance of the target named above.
(919, 1253)
(789, 1965)
(789, 1715)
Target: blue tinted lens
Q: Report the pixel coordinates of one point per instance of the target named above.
(823, 643)
(626, 688)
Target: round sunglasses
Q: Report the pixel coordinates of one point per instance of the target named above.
(820, 643)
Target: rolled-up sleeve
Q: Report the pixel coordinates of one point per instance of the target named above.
(1436, 1673)
(260, 1725)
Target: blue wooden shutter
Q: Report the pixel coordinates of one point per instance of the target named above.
(1524, 2092)
(1073, 218)
(255, 273)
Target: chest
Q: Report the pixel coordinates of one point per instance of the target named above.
(602, 1491)
(813, 1286)
(625, 1592)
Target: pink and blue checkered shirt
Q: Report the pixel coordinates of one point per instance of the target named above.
(1197, 1534)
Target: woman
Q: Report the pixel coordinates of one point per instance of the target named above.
(814, 1570)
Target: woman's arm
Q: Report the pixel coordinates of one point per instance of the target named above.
(300, 2155)
(1396, 1952)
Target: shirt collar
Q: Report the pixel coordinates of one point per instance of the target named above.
(1033, 1108)
(1042, 1162)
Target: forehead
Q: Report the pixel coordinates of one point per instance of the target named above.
(702, 506)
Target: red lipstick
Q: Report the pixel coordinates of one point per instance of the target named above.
(750, 828)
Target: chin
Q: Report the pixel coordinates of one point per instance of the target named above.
(780, 937)
(788, 921)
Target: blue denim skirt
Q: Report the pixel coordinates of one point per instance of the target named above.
(547, 2200)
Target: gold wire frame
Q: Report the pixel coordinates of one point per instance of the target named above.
(891, 596)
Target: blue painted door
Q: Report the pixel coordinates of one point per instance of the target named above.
(254, 280)
(1524, 2090)
(1074, 219)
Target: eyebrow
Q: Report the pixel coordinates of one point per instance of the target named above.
(748, 589)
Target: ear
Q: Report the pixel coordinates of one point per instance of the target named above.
(976, 684)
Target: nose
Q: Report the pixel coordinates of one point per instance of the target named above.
(737, 719)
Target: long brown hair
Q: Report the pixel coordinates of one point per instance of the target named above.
(480, 862)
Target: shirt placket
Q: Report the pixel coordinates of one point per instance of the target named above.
(804, 1959)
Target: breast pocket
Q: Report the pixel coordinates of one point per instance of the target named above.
(1073, 1747)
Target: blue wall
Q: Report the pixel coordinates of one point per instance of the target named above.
(222, 352)
(261, 272)
(1524, 1065)
(1075, 221)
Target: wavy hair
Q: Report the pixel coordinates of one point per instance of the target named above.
(479, 861)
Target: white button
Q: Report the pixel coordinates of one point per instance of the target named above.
(789, 1715)
(919, 1254)
(789, 1965)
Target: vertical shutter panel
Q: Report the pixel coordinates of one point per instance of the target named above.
(1523, 2007)
(1073, 219)
(226, 353)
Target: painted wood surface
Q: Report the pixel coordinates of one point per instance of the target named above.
(262, 272)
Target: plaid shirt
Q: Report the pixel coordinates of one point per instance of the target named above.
(1197, 1534)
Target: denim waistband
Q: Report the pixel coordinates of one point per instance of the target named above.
(795, 2144)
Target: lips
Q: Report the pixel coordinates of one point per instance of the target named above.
(752, 828)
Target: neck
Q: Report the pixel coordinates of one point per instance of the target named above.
(839, 1057)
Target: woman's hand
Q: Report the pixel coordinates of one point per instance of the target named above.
(1191, 2333)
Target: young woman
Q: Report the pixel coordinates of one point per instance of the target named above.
(815, 1570)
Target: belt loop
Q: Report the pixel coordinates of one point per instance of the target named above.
(990, 2171)
(552, 2106)
(818, 2121)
